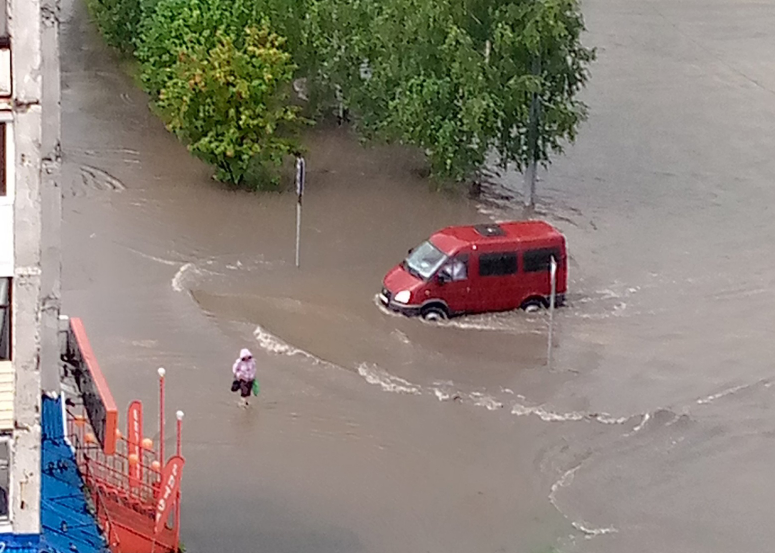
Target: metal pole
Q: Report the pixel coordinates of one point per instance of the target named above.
(161, 372)
(298, 230)
(179, 416)
(552, 301)
(532, 137)
(301, 170)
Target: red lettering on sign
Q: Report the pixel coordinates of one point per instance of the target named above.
(134, 440)
(170, 480)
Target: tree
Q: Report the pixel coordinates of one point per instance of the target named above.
(229, 103)
(460, 79)
(552, 65)
(457, 78)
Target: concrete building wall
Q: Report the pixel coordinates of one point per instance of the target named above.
(30, 221)
(24, 20)
(51, 196)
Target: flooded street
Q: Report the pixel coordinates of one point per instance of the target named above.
(653, 430)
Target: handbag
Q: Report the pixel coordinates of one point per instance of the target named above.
(235, 385)
(256, 388)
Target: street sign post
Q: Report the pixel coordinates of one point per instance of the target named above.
(552, 301)
(301, 169)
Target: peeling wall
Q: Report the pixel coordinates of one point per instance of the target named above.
(51, 196)
(24, 19)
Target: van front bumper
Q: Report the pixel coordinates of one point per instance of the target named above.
(385, 298)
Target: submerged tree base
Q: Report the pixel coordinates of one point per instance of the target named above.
(457, 79)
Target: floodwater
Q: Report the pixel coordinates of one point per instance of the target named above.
(652, 431)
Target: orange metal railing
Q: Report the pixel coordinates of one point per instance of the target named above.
(124, 504)
(124, 487)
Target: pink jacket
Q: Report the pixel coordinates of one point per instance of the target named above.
(244, 370)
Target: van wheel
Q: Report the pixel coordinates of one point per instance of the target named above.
(434, 314)
(533, 304)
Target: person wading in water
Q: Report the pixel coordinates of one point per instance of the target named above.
(244, 370)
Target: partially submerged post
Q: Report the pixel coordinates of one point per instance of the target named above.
(552, 301)
(301, 169)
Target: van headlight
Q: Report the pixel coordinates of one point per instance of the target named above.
(403, 296)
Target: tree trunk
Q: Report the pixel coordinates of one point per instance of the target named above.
(529, 192)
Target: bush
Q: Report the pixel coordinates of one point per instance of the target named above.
(118, 21)
(229, 103)
(175, 26)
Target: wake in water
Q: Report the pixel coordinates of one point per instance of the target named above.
(442, 391)
(449, 391)
(765, 382)
(582, 526)
(631, 425)
(388, 382)
(178, 279)
(509, 322)
(272, 344)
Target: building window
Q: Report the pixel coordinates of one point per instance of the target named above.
(537, 261)
(3, 172)
(5, 318)
(5, 476)
(4, 23)
(497, 264)
(5, 57)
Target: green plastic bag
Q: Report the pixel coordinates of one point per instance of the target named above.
(256, 388)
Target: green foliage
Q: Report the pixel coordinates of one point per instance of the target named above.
(220, 80)
(173, 27)
(229, 102)
(118, 21)
(288, 18)
(455, 78)
(546, 58)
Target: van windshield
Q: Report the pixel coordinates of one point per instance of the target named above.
(424, 260)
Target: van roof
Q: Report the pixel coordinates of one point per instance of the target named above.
(452, 238)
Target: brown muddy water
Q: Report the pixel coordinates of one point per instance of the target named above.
(653, 431)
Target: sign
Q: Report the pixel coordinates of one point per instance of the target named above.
(301, 170)
(134, 438)
(95, 394)
(170, 486)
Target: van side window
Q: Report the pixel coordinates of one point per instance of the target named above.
(536, 261)
(455, 269)
(459, 268)
(497, 264)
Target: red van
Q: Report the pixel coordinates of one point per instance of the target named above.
(472, 269)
